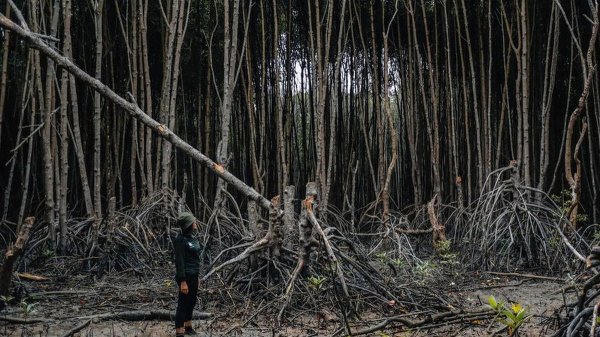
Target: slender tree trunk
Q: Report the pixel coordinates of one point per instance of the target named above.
(147, 94)
(27, 173)
(229, 75)
(174, 37)
(78, 147)
(30, 82)
(525, 91)
(467, 34)
(98, 9)
(377, 112)
(4, 73)
(574, 179)
(64, 132)
(390, 121)
(451, 103)
(48, 127)
(130, 35)
(283, 171)
(465, 97)
(435, 137)
(334, 103)
(252, 127)
(549, 83)
(488, 124)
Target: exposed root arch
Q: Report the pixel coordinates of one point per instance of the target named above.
(514, 225)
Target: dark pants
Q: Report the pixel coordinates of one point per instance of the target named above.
(186, 303)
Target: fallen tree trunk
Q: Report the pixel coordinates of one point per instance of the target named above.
(142, 315)
(18, 320)
(130, 106)
(135, 315)
(12, 254)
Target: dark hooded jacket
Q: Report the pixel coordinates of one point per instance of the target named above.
(187, 256)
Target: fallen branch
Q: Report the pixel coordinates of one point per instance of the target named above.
(135, 315)
(142, 315)
(531, 276)
(77, 328)
(18, 320)
(32, 277)
(449, 317)
(59, 292)
(260, 244)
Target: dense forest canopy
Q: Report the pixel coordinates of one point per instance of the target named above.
(384, 104)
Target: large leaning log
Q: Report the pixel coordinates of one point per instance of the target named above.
(36, 42)
(12, 254)
(133, 315)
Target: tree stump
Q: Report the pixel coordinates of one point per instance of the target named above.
(12, 254)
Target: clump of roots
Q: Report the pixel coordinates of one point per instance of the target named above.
(514, 226)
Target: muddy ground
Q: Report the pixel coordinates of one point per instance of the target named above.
(69, 301)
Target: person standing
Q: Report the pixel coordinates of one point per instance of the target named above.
(187, 264)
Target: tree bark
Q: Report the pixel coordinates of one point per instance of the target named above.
(3, 82)
(525, 164)
(64, 132)
(574, 179)
(147, 97)
(48, 126)
(229, 66)
(290, 232)
(175, 36)
(390, 121)
(98, 9)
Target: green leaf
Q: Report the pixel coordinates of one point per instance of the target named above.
(493, 302)
(510, 315)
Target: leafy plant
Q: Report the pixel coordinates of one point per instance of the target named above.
(443, 251)
(6, 300)
(442, 247)
(27, 308)
(450, 258)
(564, 201)
(398, 262)
(316, 282)
(596, 236)
(555, 242)
(382, 256)
(47, 252)
(425, 268)
(512, 317)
